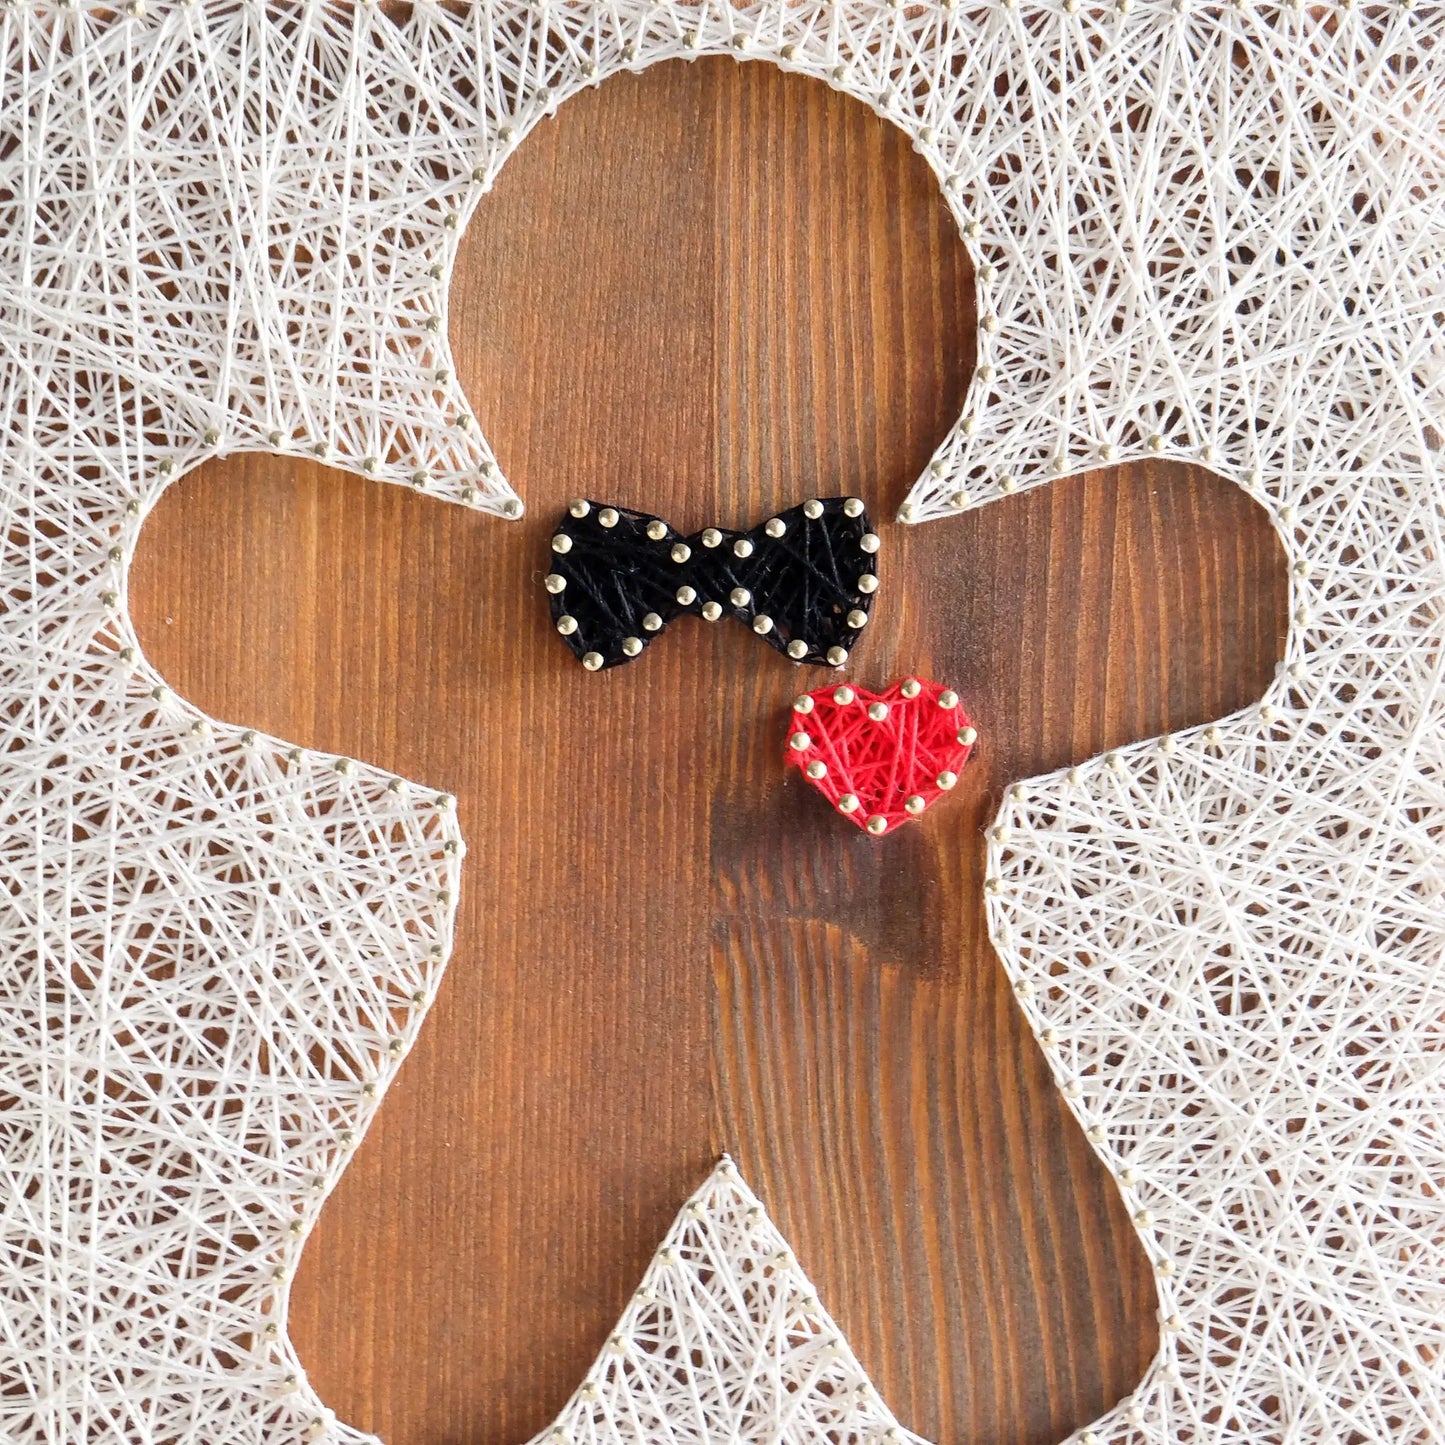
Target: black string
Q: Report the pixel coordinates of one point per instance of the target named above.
(615, 586)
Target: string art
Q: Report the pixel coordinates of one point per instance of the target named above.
(1200, 232)
(881, 759)
(803, 580)
(725, 1288)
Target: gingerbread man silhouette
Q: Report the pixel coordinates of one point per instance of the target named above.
(222, 945)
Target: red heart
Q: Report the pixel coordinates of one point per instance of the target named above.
(881, 758)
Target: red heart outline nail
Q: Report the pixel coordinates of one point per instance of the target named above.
(881, 759)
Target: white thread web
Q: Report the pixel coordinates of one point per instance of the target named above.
(725, 1304)
(1200, 232)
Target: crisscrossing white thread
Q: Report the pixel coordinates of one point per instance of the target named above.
(1200, 231)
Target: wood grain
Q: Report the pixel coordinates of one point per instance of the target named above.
(712, 291)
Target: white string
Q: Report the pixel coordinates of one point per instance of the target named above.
(1200, 232)
(725, 1290)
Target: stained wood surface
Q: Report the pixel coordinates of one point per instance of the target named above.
(712, 291)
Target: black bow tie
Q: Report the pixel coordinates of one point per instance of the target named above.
(803, 581)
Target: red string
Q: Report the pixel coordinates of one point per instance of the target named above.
(881, 759)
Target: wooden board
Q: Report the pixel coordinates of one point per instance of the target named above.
(712, 291)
